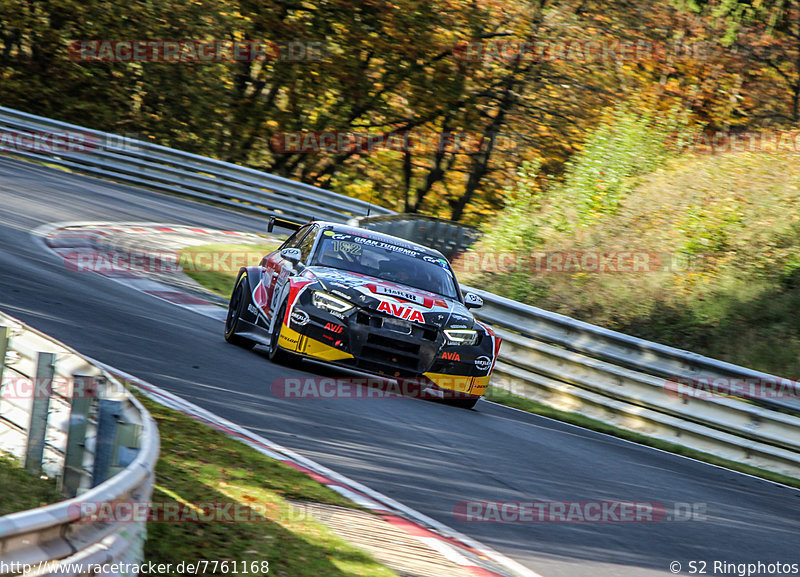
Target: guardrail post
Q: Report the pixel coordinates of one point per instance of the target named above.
(84, 389)
(3, 349)
(127, 445)
(37, 430)
(107, 417)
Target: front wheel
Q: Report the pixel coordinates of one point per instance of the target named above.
(237, 304)
(276, 353)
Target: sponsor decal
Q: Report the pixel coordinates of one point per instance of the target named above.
(252, 309)
(299, 317)
(342, 279)
(458, 326)
(402, 312)
(399, 293)
(341, 294)
(451, 356)
(260, 294)
(483, 363)
(398, 247)
(334, 328)
(440, 261)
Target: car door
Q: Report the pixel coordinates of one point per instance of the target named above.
(279, 269)
(273, 264)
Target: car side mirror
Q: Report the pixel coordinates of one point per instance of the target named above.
(293, 255)
(472, 301)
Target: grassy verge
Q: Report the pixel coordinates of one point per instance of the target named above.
(199, 464)
(505, 398)
(220, 279)
(23, 490)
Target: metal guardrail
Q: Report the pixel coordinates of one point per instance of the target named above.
(144, 164)
(64, 417)
(639, 385)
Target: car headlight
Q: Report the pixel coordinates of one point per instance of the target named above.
(461, 336)
(330, 303)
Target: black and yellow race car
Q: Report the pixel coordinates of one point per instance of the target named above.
(366, 301)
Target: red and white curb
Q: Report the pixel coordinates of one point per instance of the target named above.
(451, 544)
(70, 239)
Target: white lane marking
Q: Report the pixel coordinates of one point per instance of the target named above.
(447, 551)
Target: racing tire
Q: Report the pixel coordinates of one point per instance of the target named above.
(276, 353)
(237, 304)
(462, 403)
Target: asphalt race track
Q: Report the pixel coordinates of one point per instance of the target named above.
(428, 456)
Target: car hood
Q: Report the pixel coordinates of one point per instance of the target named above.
(398, 300)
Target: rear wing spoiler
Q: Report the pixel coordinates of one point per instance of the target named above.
(283, 223)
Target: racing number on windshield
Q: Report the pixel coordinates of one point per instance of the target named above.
(350, 248)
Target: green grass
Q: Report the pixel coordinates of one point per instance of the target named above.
(220, 279)
(23, 490)
(509, 399)
(199, 464)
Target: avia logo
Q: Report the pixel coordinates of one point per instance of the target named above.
(333, 328)
(451, 356)
(399, 311)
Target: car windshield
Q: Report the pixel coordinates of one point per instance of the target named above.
(391, 262)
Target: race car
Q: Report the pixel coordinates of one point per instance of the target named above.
(365, 301)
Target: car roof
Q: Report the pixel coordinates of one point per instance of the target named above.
(375, 235)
